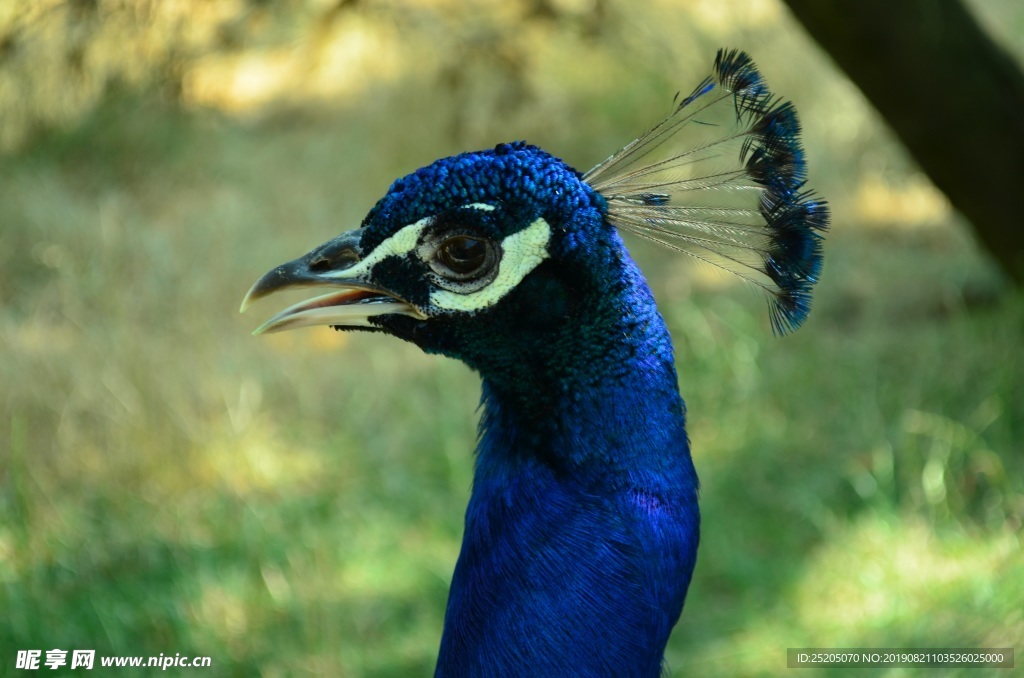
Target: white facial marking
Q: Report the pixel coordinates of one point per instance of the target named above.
(521, 253)
(402, 242)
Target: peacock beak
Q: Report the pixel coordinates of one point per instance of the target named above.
(336, 264)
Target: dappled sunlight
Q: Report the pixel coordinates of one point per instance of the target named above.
(256, 460)
(340, 62)
(387, 558)
(221, 611)
(40, 336)
(913, 203)
(320, 340)
(59, 58)
(297, 499)
(878, 582)
(880, 571)
(728, 17)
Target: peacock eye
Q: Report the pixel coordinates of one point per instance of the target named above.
(464, 257)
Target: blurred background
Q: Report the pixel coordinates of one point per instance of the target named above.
(293, 504)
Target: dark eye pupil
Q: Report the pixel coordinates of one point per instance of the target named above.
(463, 254)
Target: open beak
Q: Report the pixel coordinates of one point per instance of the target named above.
(352, 301)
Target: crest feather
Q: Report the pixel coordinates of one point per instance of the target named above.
(722, 179)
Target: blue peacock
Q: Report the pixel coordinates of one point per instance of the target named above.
(582, 528)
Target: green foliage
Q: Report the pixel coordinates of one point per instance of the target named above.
(293, 504)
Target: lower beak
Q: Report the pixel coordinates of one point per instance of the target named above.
(352, 302)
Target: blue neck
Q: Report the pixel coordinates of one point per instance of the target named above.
(582, 529)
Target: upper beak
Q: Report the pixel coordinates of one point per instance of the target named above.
(334, 264)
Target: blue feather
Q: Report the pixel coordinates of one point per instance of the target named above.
(582, 528)
(722, 179)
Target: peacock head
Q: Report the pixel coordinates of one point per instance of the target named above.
(511, 261)
(487, 257)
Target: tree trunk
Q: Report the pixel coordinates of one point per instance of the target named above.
(953, 97)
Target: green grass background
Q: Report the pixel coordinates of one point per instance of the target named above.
(292, 504)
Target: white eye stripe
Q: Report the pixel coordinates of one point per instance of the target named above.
(521, 253)
(402, 242)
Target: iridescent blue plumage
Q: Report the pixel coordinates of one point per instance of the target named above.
(582, 528)
(722, 179)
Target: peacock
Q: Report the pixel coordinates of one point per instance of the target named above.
(582, 527)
